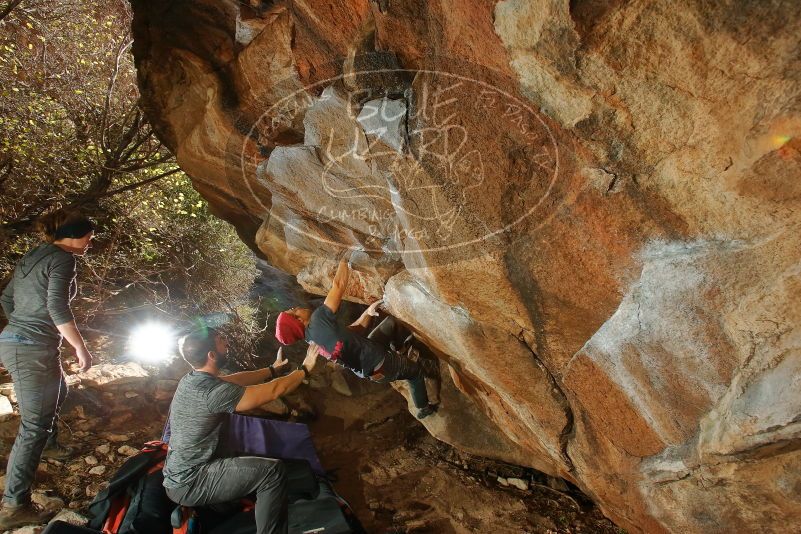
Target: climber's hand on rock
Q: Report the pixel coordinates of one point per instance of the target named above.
(372, 309)
(345, 255)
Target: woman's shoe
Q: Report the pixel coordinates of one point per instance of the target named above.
(19, 516)
(58, 452)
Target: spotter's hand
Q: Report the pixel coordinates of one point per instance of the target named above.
(280, 361)
(311, 356)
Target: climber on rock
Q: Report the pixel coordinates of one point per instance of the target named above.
(382, 356)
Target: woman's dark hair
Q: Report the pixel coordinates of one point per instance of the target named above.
(63, 224)
(195, 346)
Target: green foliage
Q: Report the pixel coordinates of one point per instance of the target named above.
(164, 239)
(72, 134)
(67, 91)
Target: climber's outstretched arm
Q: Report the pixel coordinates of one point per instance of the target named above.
(339, 286)
(362, 323)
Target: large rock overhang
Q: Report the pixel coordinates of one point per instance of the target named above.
(589, 210)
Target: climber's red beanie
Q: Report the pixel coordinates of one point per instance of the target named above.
(288, 329)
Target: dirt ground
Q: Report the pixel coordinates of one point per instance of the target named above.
(399, 479)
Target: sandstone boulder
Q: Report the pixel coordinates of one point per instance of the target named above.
(30, 529)
(165, 389)
(277, 407)
(71, 517)
(108, 374)
(7, 390)
(588, 209)
(47, 502)
(6, 410)
(116, 438)
(127, 450)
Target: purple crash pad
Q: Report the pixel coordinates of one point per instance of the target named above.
(253, 436)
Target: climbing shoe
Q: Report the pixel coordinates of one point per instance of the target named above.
(58, 452)
(422, 413)
(19, 516)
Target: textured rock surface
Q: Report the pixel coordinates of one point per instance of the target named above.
(107, 374)
(622, 179)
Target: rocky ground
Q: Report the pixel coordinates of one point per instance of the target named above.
(109, 413)
(395, 475)
(398, 478)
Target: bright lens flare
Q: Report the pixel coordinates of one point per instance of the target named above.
(152, 343)
(781, 140)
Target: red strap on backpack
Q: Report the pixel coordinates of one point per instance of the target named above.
(247, 505)
(151, 446)
(119, 507)
(186, 514)
(116, 514)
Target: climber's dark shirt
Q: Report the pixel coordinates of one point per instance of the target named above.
(341, 345)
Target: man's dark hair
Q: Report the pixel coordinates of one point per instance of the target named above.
(195, 346)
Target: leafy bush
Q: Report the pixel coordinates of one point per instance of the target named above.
(72, 135)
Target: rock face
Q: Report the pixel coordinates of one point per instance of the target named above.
(588, 209)
(107, 374)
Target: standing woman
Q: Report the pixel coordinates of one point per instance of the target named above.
(36, 303)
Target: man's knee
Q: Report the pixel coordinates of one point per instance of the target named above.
(274, 475)
(279, 470)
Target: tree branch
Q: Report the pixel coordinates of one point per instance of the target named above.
(22, 225)
(131, 187)
(126, 42)
(9, 8)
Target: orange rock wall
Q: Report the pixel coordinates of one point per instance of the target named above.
(588, 209)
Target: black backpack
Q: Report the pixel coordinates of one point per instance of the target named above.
(135, 501)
